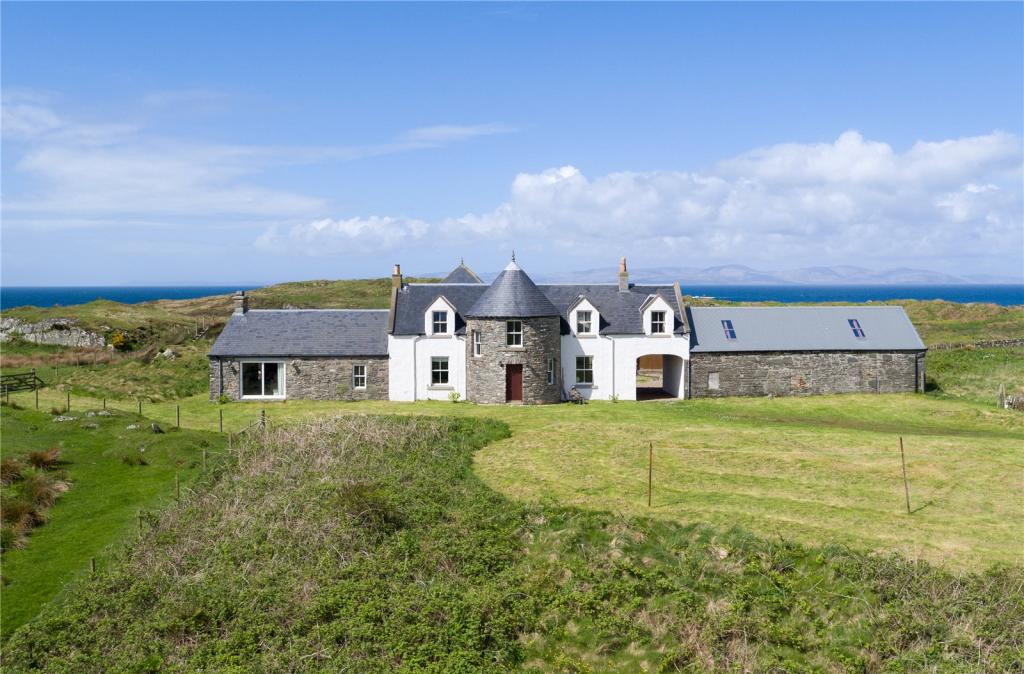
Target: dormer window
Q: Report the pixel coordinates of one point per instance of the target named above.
(514, 333)
(440, 322)
(858, 331)
(658, 322)
(730, 332)
(584, 322)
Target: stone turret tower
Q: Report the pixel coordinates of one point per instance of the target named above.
(513, 343)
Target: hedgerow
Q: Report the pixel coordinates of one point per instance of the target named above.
(367, 544)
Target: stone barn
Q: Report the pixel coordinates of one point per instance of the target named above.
(756, 351)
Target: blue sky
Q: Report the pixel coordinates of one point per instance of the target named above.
(251, 143)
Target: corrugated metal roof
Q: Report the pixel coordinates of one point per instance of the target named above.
(512, 295)
(304, 332)
(802, 329)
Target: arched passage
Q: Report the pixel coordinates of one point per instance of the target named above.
(659, 376)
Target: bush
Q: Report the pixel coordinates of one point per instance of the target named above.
(120, 341)
(454, 396)
(223, 399)
(133, 460)
(10, 471)
(41, 490)
(44, 459)
(56, 411)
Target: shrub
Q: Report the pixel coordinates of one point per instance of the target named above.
(120, 341)
(56, 411)
(614, 397)
(223, 399)
(454, 396)
(133, 460)
(10, 471)
(41, 490)
(44, 459)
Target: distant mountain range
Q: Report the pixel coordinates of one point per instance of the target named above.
(737, 274)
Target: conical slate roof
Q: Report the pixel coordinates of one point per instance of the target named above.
(512, 295)
(462, 274)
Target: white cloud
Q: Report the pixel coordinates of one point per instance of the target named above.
(841, 201)
(340, 237)
(77, 171)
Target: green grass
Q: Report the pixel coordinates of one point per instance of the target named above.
(101, 505)
(814, 470)
(369, 544)
(976, 373)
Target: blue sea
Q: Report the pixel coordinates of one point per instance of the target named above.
(11, 297)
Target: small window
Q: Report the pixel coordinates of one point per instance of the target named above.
(584, 369)
(478, 346)
(858, 331)
(514, 333)
(439, 370)
(551, 371)
(358, 376)
(730, 333)
(440, 321)
(583, 322)
(657, 322)
(713, 381)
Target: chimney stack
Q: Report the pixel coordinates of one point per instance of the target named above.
(241, 302)
(396, 277)
(623, 277)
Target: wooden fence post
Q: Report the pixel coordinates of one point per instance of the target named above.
(92, 565)
(263, 420)
(906, 488)
(650, 471)
(177, 416)
(177, 487)
(140, 407)
(221, 420)
(104, 403)
(37, 398)
(69, 401)
(140, 522)
(204, 458)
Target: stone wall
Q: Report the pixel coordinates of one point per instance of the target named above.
(310, 378)
(485, 374)
(805, 373)
(55, 331)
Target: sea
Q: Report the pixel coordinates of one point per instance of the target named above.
(48, 296)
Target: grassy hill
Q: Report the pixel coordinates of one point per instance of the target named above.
(368, 543)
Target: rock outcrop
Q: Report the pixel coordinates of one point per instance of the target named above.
(56, 331)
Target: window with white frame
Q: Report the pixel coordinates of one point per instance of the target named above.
(514, 333)
(657, 322)
(439, 371)
(584, 322)
(358, 376)
(584, 369)
(478, 344)
(262, 380)
(440, 322)
(551, 371)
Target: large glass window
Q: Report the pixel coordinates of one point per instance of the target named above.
(583, 322)
(358, 376)
(514, 333)
(657, 322)
(440, 320)
(584, 369)
(439, 370)
(262, 380)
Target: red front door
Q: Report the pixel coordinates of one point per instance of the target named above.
(513, 383)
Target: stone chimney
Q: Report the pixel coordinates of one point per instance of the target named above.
(241, 302)
(623, 277)
(396, 277)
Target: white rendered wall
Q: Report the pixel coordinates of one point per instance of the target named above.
(401, 368)
(598, 347)
(615, 360)
(427, 348)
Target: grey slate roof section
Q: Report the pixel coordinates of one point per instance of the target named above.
(512, 295)
(462, 274)
(620, 312)
(304, 332)
(802, 329)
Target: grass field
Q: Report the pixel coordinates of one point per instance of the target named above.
(368, 544)
(816, 470)
(975, 374)
(104, 498)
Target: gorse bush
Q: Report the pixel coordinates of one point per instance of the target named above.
(368, 544)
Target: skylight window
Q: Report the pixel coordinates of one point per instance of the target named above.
(858, 331)
(730, 332)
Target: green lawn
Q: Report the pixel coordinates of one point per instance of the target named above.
(976, 373)
(817, 470)
(105, 496)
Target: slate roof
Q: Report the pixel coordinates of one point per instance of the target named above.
(462, 274)
(304, 332)
(620, 312)
(802, 329)
(512, 295)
